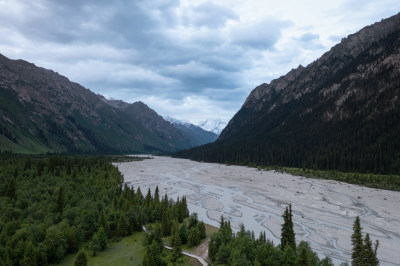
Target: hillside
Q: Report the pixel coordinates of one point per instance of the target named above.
(42, 111)
(340, 112)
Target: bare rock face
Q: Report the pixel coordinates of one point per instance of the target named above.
(43, 111)
(339, 112)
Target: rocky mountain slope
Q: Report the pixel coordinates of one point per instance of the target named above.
(196, 134)
(340, 112)
(42, 111)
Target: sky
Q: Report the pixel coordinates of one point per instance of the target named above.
(191, 60)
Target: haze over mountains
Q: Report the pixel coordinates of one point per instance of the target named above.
(42, 111)
(340, 112)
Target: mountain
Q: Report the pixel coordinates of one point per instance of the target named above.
(340, 112)
(42, 111)
(214, 125)
(197, 135)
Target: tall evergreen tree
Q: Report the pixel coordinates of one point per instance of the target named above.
(287, 232)
(368, 255)
(357, 243)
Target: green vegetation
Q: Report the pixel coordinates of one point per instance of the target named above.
(243, 248)
(362, 254)
(391, 182)
(178, 235)
(54, 206)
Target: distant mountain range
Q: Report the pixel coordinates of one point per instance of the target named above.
(42, 111)
(341, 112)
(195, 133)
(214, 125)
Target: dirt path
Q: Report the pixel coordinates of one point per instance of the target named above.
(202, 250)
(185, 252)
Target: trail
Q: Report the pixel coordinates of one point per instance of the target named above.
(184, 252)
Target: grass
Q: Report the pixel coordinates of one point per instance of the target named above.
(128, 251)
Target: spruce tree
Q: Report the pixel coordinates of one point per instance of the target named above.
(357, 243)
(368, 255)
(177, 249)
(302, 260)
(289, 256)
(287, 233)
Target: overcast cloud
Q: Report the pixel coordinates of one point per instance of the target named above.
(191, 60)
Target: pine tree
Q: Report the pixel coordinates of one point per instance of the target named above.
(289, 256)
(101, 235)
(287, 233)
(368, 255)
(302, 260)
(193, 237)
(80, 259)
(177, 249)
(157, 195)
(202, 229)
(357, 243)
(152, 255)
(122, 227)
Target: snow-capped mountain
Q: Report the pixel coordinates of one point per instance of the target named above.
(214, 125)
(176, 121)
(196, 134)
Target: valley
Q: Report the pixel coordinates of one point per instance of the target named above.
(323, 210)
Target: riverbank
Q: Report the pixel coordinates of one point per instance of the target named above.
(324, 210)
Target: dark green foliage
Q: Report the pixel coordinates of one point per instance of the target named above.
(183, 233)
(50, 206)
(244, 249)
(369, 255)
(288, 256)
(80, 259)
(357, 243)
(177, 247)
(287, 233)
(60, 200)
(302, 259)
(202, 229)
(363, 254)
(152, 256)
(193, 237)
(327, 262)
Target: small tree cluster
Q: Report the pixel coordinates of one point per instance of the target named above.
(243, 248)
(363, 254)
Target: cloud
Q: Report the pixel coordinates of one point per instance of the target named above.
(261, 35)
(209, 14)
(187, 59)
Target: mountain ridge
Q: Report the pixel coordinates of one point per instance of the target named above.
(340, 112)
(42, 111)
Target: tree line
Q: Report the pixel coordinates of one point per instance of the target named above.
(243, 248)
(54, 206)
